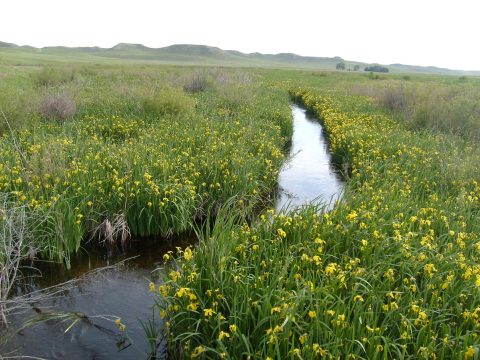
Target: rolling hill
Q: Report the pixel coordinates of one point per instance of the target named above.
(186, 54)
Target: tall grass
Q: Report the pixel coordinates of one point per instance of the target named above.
(17, 243)
(448, 108)
(158, 160)
(169, 102)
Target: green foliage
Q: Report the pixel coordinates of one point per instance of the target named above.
(340, 66)
(19, 240)
(231, 97)
(54, 75)
(446, 108)
(19, 101)
(169, 102)
(377, 68)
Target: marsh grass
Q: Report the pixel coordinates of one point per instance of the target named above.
(390, 272)
(17, 243)
(446, 108)
(51, 75)
(169, 102)
(160, 160)
(113, 233)
(197, 81)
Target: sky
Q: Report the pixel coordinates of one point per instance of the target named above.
(415, 32)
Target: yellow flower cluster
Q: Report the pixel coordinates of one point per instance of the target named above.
(161, 174)
(391, 271)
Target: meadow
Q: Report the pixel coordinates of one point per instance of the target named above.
(106, 152)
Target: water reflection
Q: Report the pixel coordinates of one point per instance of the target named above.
(94, 297)
(308, 175)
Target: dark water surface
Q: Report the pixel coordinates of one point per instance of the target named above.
(308, 175)
(120, 289)
(123, 290)
(116, 292)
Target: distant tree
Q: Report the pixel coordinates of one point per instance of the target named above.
(356, 67)
(377, 68)
(341, 66)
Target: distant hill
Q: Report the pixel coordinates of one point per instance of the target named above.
(7, 45)
(189, 54)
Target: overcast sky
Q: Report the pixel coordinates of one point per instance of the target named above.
(416, 32)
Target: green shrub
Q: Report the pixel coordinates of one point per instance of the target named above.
(377, 68)
(51, 76)
(168, 102)
(233, 97)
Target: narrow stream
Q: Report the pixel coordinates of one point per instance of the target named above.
(306, 177)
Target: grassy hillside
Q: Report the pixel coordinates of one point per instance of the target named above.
(191, 55)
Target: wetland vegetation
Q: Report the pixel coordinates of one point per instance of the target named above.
(105, 153)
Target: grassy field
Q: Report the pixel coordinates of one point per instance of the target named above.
(110, 150)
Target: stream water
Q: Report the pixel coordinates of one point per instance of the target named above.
(119, 289)
(307, 176)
